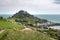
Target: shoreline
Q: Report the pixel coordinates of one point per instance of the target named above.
(55, 27)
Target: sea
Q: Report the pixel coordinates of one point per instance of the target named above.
(52, 18)
(6, 15)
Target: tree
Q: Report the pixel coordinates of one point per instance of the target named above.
(1, 17)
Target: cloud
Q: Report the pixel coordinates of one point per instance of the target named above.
(57, 1)
(32, 6)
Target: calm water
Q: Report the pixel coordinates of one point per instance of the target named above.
(6, 15)
(53, 18)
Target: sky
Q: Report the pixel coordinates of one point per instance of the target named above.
(31, 6)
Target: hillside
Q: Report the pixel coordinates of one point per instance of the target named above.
(25, 18)
(13, 31)
(18, 35)
(25, 15)
(4, 24)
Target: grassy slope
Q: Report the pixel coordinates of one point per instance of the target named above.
(18, 35)
(12, 34)
(6, 24)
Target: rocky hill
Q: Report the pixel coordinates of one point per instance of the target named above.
(25, 17)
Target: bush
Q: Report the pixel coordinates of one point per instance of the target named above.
(1, 17)
(52, 33)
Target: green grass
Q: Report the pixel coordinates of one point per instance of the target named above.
(18, 35)
(3, 34)
(6, 24)
(11, 32)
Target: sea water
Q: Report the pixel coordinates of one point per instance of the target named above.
(52, 18)
(5, 15)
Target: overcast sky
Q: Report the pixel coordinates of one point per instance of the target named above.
(32, 6)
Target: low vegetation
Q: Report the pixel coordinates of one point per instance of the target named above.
(19, 35)
(20, 27)
(5, 24)
(12, 32)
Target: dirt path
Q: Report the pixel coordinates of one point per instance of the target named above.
(27, 30)
(2, 31)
